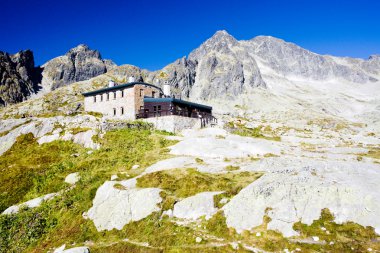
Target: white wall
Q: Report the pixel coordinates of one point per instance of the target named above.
(106, 107)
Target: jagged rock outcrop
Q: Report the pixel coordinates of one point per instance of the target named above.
(216, 69)
(18, 77)
(180, 75)
(78, 64)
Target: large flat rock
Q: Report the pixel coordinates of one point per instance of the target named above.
(115, 207)
(194, 207)
(300, 191)
(205, 143)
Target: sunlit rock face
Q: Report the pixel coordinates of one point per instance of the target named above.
(78, 64)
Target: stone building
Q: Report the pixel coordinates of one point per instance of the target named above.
(139, 100)
(121, 101)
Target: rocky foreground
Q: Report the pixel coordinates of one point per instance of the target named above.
(249, 185)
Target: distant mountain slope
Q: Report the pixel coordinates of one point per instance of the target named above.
(225, 67)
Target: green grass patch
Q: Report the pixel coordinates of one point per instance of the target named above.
(256, 132)
(199, 160)
(347, 237)
(17, 232)
(372, 153)
(187, 182)
(31, 170)
(78, 130)
(232, 168)
(269, 240)
(95, 114)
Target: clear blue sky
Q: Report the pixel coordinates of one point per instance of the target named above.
(151, 34)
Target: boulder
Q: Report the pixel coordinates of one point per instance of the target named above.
(29, 204)
(115, 205)
(298, 190)
(72, 178)
(194, 207)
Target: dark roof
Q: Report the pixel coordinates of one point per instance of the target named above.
(117, 87)
(179, 101)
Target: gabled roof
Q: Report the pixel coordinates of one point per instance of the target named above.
(179, 101)
(117, 87)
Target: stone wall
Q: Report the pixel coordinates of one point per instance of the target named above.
(108, 125)
(174, 123)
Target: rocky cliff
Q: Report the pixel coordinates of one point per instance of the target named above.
(78, 64)
(18, 77)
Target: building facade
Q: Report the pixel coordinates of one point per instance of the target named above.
(138, 100)
(121, 101)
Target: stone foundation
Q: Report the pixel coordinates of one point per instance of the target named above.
(174, 123)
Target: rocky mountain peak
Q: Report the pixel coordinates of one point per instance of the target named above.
(78, 64)
(222, 35)
(83, 51)
(221, 41)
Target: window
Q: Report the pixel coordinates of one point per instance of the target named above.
(114, 111)
(159, 107)
(101, 98)
(122, 110)
(155, 108)
(141, 92)
(95, 99)
(108, 96)
(122, 93)
(153, 94)
(114, 95)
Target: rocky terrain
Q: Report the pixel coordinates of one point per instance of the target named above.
(78, 64)
(20, 79)
(292, 166)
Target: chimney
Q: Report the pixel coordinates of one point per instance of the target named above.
(131, 79)
(166, 87)
(111, 83)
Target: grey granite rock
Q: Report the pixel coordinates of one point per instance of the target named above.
(78, 64)
(18, 77)
(291, 60)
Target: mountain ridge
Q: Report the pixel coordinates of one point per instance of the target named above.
(222, 66)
